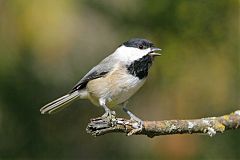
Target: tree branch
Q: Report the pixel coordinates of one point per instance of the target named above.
(210, 126)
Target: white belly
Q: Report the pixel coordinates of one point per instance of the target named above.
(126, 88)
(115, 88)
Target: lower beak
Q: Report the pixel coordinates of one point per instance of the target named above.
(153, 53)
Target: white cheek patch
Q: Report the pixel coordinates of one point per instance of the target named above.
(130, 54)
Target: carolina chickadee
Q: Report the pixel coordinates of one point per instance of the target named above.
(114, 80)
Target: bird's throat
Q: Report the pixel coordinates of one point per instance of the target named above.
(140, 67)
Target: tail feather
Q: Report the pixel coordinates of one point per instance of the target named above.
(59, 103)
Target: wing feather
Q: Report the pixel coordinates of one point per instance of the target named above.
(104, 67)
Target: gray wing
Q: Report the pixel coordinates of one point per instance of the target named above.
(104, 67)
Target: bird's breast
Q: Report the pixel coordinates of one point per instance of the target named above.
(116, 87)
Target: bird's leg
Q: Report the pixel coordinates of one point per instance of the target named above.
(139, 127)
(108, 112)
(133, 117)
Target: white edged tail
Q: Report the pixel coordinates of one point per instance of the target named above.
(59, 103)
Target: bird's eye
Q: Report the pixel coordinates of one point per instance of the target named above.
(140, 46)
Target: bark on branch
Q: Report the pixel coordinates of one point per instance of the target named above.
(209, 126)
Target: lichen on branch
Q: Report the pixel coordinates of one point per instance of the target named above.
(209, 126)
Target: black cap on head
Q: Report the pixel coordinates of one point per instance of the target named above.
(138, 43)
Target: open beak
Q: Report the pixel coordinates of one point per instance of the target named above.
(153, 53)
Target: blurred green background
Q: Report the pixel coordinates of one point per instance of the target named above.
(47, 46)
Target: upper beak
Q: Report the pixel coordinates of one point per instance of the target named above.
(153, 53)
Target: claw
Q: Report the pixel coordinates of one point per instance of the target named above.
(134, 131)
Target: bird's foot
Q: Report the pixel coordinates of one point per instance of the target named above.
(110, 116)
(137, 123)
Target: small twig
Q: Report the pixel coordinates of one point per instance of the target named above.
(210, 126)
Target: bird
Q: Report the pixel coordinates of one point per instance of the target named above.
(114, 80)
